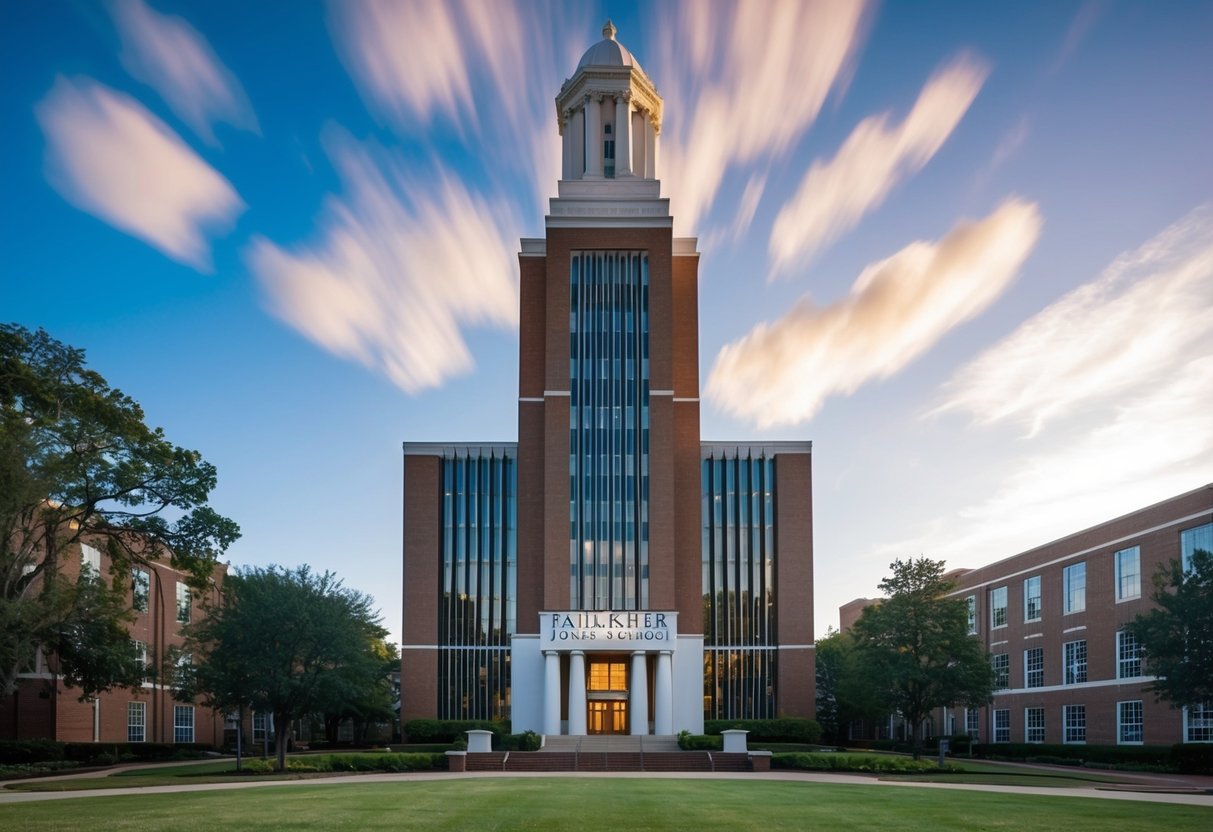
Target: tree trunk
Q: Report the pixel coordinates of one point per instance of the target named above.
(281, 731)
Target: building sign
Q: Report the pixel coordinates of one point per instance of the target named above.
(606, 630)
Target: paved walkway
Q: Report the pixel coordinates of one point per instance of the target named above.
(1094, 791)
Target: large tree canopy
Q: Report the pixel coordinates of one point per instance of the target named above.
(290, 642)
(1177, 637)
(78, 464)
(913, 652)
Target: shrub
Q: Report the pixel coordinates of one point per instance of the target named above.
(108, 753)
(869, 763)
(386, 761)
(30, 769)
(699, 742)
(24, 752)
(450, 730)
(783, 729)
(526, 741)
(1063, 754)
(1193, 758)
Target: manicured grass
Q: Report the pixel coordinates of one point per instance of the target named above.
(588, 804)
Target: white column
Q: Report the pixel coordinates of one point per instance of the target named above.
(566, 169)
(639, 694)
(551, 693)
(623, 135)
(663, 694)
(593, 137)
(650, 148)
(637, 140)
(578, 143)
(577, 704)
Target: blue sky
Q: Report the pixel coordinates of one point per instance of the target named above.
(966, 249)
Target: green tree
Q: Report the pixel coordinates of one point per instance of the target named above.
(843, 694)
(288, 642)
(377, 702)
(913, 651)
(1177, 636)
(78, 465)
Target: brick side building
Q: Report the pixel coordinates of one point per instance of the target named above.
(45, 707)
(610, 571)
(1053, 620)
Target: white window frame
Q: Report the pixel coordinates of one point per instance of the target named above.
(184, 603)
(1197, 537)
(973, 723)
(183, 724)
(1033, 581)
(1027, 669)
(1028, 728)
(1123, 558)
(1000, 725)
(995, 660)
(1200, 725)
(136, 722)
(1071, 668)
(971, 604)
(1121, 724)
(998, 607)
(1077, 725)
(141, 590)
(90, 559)
(1074, 588)
(1134, 659)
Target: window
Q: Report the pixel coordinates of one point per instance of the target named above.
(1129, 723)
(1074, 660)
(1128, 573)
(1002, 670)
(1031, 599)
(1190, 540)
(1128, 655)
(183, 723)
(973, 722)
(136, 721)
(90, 559)
(141, 587)
(140, 654)
(1034, 667)
(1002, 725)
(183, 603)
(1198, 723)
(1074, 587)
(998, 607)
(262, 726)
(971, 604)
(1074, 723)
(1033, 724)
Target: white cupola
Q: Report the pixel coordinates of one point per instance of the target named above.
(609, 114)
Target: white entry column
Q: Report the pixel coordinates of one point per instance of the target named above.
(663, 694)
(638, 700)
(623, 134)
(551, 693)
(577, 704)
(593, 136)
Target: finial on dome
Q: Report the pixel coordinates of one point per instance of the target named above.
(609, 30)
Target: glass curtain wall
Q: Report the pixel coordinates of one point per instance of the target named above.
(479, 576)
(739, 586)
(609, 430)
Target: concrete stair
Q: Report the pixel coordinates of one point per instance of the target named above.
(609, 753)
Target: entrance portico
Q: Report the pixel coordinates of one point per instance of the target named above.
(608, 685)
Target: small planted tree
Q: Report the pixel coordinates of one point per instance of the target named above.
(290, 642)
(913, 652)
(1177, 636)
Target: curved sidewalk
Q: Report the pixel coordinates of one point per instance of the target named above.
(8, 796)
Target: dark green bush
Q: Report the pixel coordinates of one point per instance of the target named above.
(1120, 754)
(450, 730)
(873, 763)
(783, 729)
(314, 763)
(526, 741)
(699, 742)
(25, 752)
(1193, 758)
(107, 753)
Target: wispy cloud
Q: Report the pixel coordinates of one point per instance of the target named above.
(485, 70)
(110, 157)
(834, 195)
(743, 81)
(170, 56)
(782, 372)
(1141, 321)
(401, 268)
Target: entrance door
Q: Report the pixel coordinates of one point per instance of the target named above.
(608, 716)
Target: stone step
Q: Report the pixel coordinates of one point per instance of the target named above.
(592, 761)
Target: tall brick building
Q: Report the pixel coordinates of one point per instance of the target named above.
(1053, 621)
(609, 572)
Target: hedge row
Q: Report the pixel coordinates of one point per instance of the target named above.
(857, 762)
(25, 752)
(783, 729)
(348, 762)
(450, 730)
(1154, 754)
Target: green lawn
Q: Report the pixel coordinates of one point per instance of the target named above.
(588, 804)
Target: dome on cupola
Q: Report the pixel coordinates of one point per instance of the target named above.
(608, 52)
